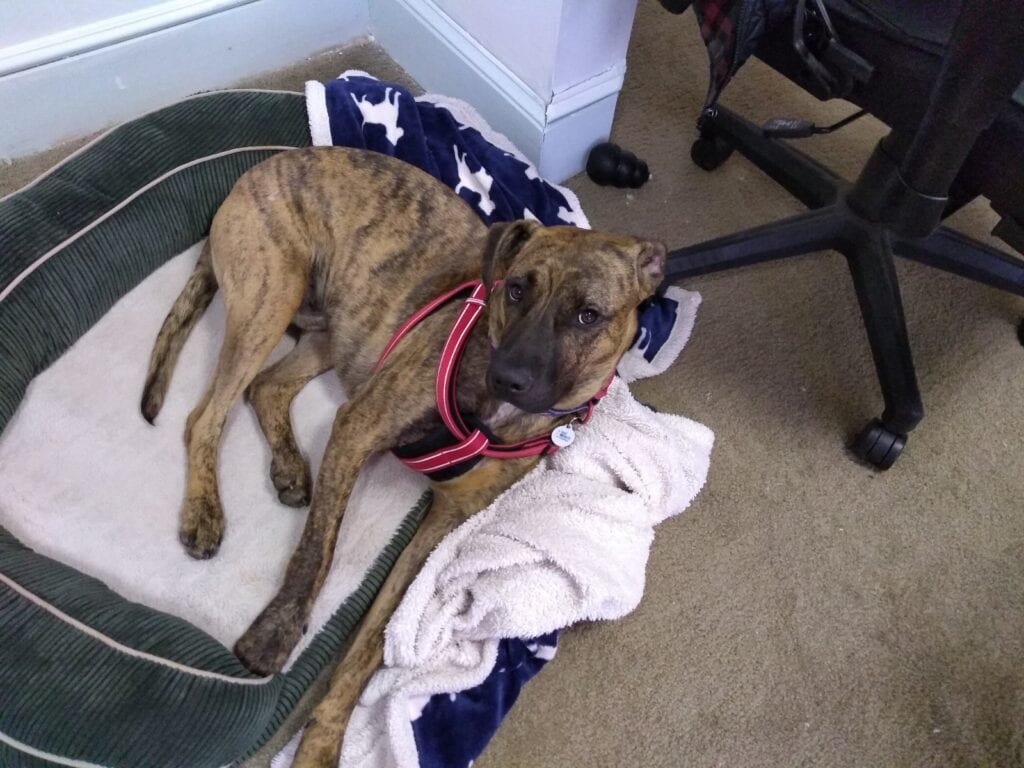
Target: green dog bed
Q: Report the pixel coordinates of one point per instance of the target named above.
(88, 678)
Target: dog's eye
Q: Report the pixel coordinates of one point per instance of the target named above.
(515, 292)
(587, 316)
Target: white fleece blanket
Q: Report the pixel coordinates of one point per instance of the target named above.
(568, 543)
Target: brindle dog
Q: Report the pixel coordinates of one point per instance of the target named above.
(361, 241)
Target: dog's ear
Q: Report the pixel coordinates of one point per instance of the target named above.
(504, 240)
(650, 266)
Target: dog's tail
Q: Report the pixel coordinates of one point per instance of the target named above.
(187, 309)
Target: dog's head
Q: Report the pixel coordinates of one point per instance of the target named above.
(565, 311)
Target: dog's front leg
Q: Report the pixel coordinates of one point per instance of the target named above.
(453, 503)
(361, 427)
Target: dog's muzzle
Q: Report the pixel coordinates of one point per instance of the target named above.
(521, 384)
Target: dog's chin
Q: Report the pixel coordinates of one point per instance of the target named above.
(527, 404)
(531, 407)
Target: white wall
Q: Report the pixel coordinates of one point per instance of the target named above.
(107, 61)
(24, 20)
(40, 32)
(522, 34)
(547, 73)
(594, 38)
(550, 45)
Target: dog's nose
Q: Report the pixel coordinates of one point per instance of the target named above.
(511, 380)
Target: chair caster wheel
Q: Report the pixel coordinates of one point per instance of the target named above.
(878, 446)
(709, 151)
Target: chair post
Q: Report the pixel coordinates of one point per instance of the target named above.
(906, 183)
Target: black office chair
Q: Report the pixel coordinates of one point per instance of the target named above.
(947, 79)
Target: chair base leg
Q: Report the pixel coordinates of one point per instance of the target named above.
(952, 252)
(869, 245)
(869, 254)
(805, 233)
(722, 130)
(874, 277)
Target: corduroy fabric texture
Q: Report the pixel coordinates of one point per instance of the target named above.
(84, 695)
(61, 299)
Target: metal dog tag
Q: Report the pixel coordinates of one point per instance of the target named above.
(563, 436)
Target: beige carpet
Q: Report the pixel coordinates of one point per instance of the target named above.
(806, 611)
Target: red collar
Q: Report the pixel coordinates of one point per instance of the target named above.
(470, 444)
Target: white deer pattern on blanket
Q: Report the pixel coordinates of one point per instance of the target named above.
(571, 217)
(479, 182)
(385, 114)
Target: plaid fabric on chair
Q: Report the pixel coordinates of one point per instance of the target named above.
(731, 30)
(718, 20)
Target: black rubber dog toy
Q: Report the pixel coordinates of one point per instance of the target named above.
(610, 164)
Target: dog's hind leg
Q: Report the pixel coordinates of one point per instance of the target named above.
(271, 394)
(454, 502)
(260, 303)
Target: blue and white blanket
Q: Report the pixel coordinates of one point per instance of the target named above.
(448, 139)
(444, 718)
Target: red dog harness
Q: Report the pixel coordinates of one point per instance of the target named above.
(472, 444)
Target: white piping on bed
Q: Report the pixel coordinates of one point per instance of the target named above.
(48, 756)
(99, 220)
(111, 643)
(110, 130)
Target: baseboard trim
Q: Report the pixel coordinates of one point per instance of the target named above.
(555, 130)
(228, 40)
(568, 140)
(591, 91)
(89, 37)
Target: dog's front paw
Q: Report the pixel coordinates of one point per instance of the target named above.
(202, 527)
(265, 646)
(291, 478)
